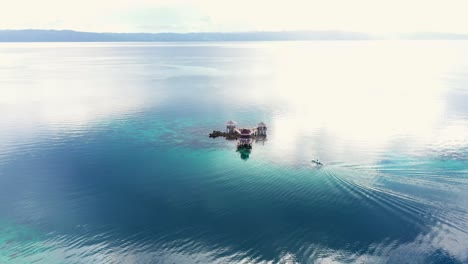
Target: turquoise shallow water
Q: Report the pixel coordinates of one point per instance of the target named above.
(105, 155)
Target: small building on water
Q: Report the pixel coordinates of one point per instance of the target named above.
(230, 127)
(246, 137)
(261, 129)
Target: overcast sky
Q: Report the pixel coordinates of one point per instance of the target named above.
(371, 16)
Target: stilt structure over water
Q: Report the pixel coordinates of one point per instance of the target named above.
(244, 136)
(261, 129)
(230, 126)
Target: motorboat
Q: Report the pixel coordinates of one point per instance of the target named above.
(316, 161)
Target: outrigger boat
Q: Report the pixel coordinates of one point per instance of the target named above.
(316, 161)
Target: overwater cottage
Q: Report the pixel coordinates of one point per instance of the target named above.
(230, 126)
(246, 137)
(261, 129)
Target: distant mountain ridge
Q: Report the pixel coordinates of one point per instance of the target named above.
(35, 35)
(39, 35)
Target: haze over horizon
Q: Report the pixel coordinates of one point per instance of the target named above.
(182, 16)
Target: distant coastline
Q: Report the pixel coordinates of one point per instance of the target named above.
(34, 35)
(39, 35)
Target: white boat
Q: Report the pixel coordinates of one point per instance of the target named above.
(316, 161)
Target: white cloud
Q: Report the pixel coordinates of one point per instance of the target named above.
(376, 16)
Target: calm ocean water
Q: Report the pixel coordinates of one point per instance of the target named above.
(105, 155)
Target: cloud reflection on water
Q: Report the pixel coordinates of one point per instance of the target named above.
(354, 105)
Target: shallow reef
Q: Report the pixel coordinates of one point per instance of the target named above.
(226, 135)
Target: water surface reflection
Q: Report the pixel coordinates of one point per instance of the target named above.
(105, 154)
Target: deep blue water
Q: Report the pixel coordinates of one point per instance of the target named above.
(105, 155)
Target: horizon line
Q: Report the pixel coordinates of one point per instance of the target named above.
(241, 31)
(70, 35)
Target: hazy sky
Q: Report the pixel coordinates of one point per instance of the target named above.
(372, 16)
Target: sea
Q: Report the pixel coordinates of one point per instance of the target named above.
(105, 155)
